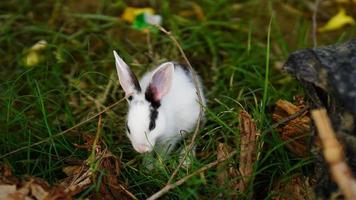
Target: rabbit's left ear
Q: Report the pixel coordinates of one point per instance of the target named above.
(161, 81)
(127, 78)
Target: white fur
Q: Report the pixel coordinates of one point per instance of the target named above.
(177, 114)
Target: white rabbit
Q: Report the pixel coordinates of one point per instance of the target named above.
(163, 106)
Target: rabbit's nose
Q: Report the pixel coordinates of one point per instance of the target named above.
(142, 149)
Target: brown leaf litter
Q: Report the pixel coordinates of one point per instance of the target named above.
(80, 177)
(227, 174)
(296, 188)
(295, 131)
(31, 188)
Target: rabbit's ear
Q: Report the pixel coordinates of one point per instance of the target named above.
(161, 81)
(127, 78)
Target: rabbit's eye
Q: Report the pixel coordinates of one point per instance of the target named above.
(128, 129)
(130, 98)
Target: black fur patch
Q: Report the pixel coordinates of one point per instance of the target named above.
(135, 81)
(184, 67)
(153, 117)
(149, 96)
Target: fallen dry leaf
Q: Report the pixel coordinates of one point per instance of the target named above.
(38, 192)
(82, 176)
(88, 142)
(6, 190)
(31, 189)
(5, 170)
(78, 181)
(110, 184)
(293, 130)
(71, 170)
(106, 166)
(248, 148)
(298, 188)
(226, 174)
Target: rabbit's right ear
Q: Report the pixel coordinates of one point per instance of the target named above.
(127, 78)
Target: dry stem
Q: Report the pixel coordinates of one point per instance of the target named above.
(106, 93)
(334, 154)
(315, 13)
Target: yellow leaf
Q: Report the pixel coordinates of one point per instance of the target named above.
(34, 57)
(337, 21)
(345, 1)
(130, 13)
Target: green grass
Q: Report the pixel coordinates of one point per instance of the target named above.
(234, 49)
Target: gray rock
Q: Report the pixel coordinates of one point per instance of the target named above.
(329, 76)
(331, 68)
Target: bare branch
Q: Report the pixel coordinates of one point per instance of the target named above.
(334, 154)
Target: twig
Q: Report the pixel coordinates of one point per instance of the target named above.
(170, 186)
(125, 190)
(95, 142)
(315, 14)
(63, 132)
(149, 44)
(334, 154)
(105, 95)
(200, 98)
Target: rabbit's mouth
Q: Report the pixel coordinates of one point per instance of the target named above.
(143, 148)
